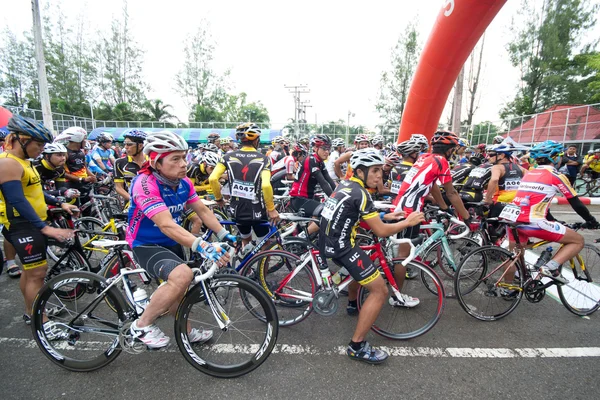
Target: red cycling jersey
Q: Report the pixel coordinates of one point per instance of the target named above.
(419, 180)
(541, 185)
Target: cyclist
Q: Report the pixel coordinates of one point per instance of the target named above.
(392, 161)
(497, 139)
(463, 144)
(421, 180)
(361, 141)
(478, 179)
(593, 163)
(377, 143)
(159, 195)
(534, 195)
(103, 156)
(286, 167)
(199, 173)
(77, 175)
(23, 207)
(422, 140)
(343, 211)
(126, 168)
(338, 147)
(214, 138)
(249, 173)
(506, 174)
(461, 172)
(409, 150)
(51, 167)
(279, 149)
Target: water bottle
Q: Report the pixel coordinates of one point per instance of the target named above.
(544, 258)
(140, 297)
(339, 276)
(326, 275)
(525, 202)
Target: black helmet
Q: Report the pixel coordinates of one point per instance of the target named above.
(477, 159)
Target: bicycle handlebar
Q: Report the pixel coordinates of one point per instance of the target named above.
(461, 235)
(213, 268)
(413, 248)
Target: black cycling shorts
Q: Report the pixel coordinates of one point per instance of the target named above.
(359, 265)
(471, 196)
(29, 242)
(308, 206)
(246, 228)
(410, 233)
(159, 261)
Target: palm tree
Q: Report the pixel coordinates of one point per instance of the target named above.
(156, 110)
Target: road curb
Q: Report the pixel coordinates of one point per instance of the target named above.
(588, 201)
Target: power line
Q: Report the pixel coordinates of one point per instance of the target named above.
(297, 90)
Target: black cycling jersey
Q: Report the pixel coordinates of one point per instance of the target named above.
(245, 168)
(48, 173)
(512, 177)
(460, 173)
(476, 183)
(125, 170)
(310, 172)
(341, 216)
(75, 162)
(398, 174)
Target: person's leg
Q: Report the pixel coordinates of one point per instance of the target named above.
(370, 309)
(12, 269)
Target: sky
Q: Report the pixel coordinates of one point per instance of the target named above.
(338, 48)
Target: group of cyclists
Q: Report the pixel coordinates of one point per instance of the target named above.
(160, 178)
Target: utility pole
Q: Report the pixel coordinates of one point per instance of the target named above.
(304, 105)
(457, 103)
(297, 90)
(41, 62)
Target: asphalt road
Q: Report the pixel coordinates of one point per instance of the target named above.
(539, 351)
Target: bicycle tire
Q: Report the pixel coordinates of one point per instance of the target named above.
(404, 323)
(478, 287)
(222, 360)
(93, 224)
(74, 261)
(72, 353)
(273, 268)
(56, 249)
(581, 295)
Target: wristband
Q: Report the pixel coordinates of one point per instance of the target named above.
(382, 214)
(222, 233)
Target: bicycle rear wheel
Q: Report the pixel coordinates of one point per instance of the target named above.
(407, 323)
(240, 347)
(88, 328)
(484, 283)
(581, 295)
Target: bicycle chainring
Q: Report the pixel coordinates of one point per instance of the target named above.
(325, 303)
(128, 343)
(534, 291)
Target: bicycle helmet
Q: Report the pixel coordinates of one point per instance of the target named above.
(591, 151)
(164, 142)
(377, 139)
(211, 147)
(391, 147)
(409, 146)
(463, 142)
(304, 140)
(52, 148)
(482, 147)
(247, 132)
(320, 141)
(211, 159)
(505, 148)
(105, 137)
(548, 149)
(477, 159)
(299, 148)
(393, 159)
(135, 135)
(361, 137)
(3, 133)
(421, 140)
(338, 142)
(29, 127)
(366, 158)
(445, 137)
(278, 140)
(497, 139)
(213, 137)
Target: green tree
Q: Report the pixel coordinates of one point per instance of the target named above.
(544, 53)
(156, 110)
(394, 84)
(484, 132)
(16, 86)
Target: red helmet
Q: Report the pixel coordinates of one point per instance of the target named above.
(444, 137)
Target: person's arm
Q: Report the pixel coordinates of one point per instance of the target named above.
(267, 189)
(385, 230)
(337, 165)
(120, 188)
(456, 201)
(493, 183)
(381, 189)
(564, 186)
(214, 180)
(436, 193)
(328, 179)
(324, 183)
(99, 163)
(208, 219)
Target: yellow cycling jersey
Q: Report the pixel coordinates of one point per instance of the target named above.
(594, 163)
(32, 188)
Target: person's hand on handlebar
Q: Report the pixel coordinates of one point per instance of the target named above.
(415, 218)
(216, 252)
(398, 214)
(273, 216)
(69, 208)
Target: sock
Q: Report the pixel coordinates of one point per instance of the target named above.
(10, 263)
(356, 346)
(352, 303)
(552, 265)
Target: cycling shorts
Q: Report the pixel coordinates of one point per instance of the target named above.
(359, 265)
(410, 232)
(307, 205)
(246, 228)
(29, 242)
(159, 261)
(551, 231)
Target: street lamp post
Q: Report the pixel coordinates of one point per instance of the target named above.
(92, 112)
(350, 114)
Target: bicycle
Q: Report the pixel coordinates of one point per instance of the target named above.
(104, 314)
(491, 281)
(297, 286)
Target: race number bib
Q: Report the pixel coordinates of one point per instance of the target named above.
(478, 173)
(395, 188)
(410, 175)
(512, 184)
(329, 208)
(510, 212)
(242, 189)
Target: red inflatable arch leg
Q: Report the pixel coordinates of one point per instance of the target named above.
(457, 30)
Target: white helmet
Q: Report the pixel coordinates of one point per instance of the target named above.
(409, 146)
(211, 159)
(377, 139)
(421, 140)
(366, 158)
(211, 147)
(105, 137)
(72, 134)
(51, 148)
(164, 142)
(337, 142)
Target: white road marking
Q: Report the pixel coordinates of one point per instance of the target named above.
(307, 350)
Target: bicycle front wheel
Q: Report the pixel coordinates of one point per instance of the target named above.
(82, 334)
(226, 305)
(489, 283)
(406, 323)
(581, 295)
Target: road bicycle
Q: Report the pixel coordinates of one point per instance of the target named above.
(94, 325)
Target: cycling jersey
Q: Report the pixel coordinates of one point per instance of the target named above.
(287, 163)
(32, 189)
(541, 185)
(476, 183)
(100, 154)
(330, 163)
(306, 178)
(460, 173)
(276, 155)
(148, 198)
(398, 175)
(594, 163)
(509, 183)
(340, 218)
(125, 170)
(419, 180)
(199, 177)
(75, 164)
(47, 172)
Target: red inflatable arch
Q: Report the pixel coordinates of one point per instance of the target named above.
(4, 117)
(457, 30)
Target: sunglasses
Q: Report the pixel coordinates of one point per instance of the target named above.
(128, 144)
